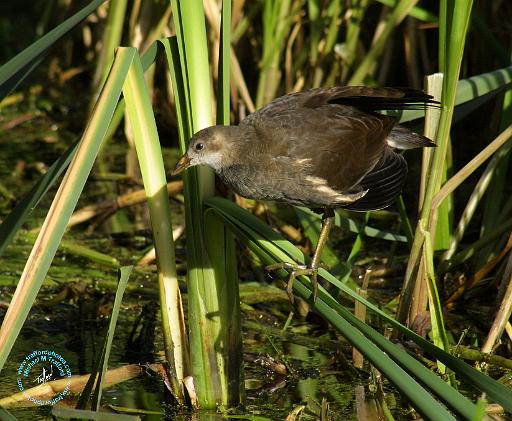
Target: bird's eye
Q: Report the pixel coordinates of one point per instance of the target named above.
(199, 146)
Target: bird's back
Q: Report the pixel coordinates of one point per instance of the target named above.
(324, 147)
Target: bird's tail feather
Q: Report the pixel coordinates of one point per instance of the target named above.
(401, 137)
(384, 184)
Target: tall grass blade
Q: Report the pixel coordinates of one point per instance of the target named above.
(93, 389)
(450, 57)
(210, 304)
(62, 207)
(223, 97)
(439, 335)
(124, 275)
(434, 87)
(149, 154)
(222, 252)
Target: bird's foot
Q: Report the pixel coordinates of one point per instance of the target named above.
(297, 270)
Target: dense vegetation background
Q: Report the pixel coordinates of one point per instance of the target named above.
(440, 259)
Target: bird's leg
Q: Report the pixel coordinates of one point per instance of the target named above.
(312, 269)
(327, 223)
(295, 270)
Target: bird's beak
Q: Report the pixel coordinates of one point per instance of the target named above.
(183, 163)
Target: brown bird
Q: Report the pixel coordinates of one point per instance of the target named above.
(322, 148)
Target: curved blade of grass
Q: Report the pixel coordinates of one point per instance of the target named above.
(395, 373)
(271, 253)
(273, 247)
(477, 379)
(19, 67)
(149, 153)
(448, 394)
(147, 60)
(62, 206)
(101, 364)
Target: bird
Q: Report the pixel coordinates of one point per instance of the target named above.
(323, 148)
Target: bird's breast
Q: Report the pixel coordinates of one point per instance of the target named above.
(251, 182)
(281, 185)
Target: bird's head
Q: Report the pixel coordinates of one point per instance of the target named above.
(213, 146)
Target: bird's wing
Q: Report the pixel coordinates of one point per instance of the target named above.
(329, 144)
(383, 183)
(368, 99)
(361, 97)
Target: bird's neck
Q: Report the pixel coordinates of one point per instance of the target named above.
(238, 140)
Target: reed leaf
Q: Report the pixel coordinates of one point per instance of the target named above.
(271, 248)
(62, 207)
(210, 293)
(13, 222)
(451, 46)
(149, 154)
(94, 387)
